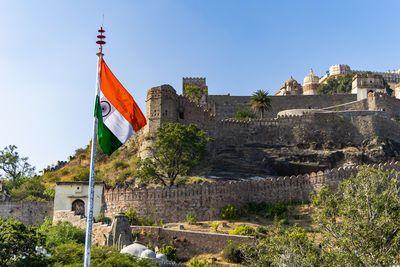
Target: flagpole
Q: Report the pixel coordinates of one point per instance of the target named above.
(89, 217)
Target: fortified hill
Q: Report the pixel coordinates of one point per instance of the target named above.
(303, 132)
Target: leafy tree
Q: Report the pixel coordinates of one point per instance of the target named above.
(244, 114)
(30, 190)
(17, 243)
(195, 93)
(337, 85)
(14, 167)
(360, 221)
(260, 102)
(176, 151)
(61, 232)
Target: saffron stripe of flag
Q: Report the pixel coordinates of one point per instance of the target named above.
(118, 114)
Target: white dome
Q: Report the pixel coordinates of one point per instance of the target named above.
(135, 249)
(311, 78)
(148, 254)
(161, 256)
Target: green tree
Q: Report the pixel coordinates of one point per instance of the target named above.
(61, 232)
(360, 222)
(337, 85)
(388, 90)
(260, 102)
(176, 151)
(17, 243)
(13, 166)
(31, 189)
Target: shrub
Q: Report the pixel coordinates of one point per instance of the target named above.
(119, 164)
(83, 175)
(169, 252)
(261, 230)
(232, 253)
(102, 218)
(61, 233)
(229, 212)
(242, 229)
(191, 217)
(215, 226)
(131, 213)
(125, 175)
(245, 114)
(197, 263)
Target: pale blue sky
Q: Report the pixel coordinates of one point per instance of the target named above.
(48, 54)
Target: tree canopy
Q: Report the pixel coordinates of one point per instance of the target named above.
(14, 166)
(336, 85)
(195, 93)
(175, 152)
(260, 102)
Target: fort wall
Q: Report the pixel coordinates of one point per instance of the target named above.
(28, 213)
(206, 200)
(226, 105)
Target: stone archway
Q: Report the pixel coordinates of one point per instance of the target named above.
(78, 206)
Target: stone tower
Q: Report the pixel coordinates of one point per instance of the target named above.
(161, 106)
(311, 83)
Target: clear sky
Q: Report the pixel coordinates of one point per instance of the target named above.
(48, 54)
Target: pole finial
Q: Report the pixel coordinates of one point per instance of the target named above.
(101, 37)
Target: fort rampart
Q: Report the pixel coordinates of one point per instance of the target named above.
(206, 200)
(27, 212)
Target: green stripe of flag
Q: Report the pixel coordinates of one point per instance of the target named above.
(107, 140)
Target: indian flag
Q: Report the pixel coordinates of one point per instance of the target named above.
(118, 114)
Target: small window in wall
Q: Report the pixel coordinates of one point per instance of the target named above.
(78, 206)
(181, 115)
(166, 112)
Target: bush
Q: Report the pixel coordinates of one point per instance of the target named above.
(245, 114)
(197, 263)
(102, 218)
(261, 230)
(81, 176)
(232, 253)
(61, 233)
(169, 252)
(229, 212)
(215, 226)
(191, 217)
(31, 189)
(119, 164)
(131, 213)
(72, 254)
(243, 229)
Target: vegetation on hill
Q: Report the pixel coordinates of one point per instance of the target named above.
(175, 152)
(336, 85)
(260, 102)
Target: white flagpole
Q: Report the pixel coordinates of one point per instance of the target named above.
(89, 217)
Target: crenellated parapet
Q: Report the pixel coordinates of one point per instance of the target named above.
(206, 200)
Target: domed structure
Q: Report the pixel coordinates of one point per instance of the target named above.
(311, 83)
(135, 249)
(148, 254)
(290, 87)
(161, 257)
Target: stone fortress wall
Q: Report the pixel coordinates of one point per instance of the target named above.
(28, 213)
(206, 200)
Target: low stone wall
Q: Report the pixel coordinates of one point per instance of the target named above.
(188, 243)
(206, 200)
(99, 231)
(27, 212)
